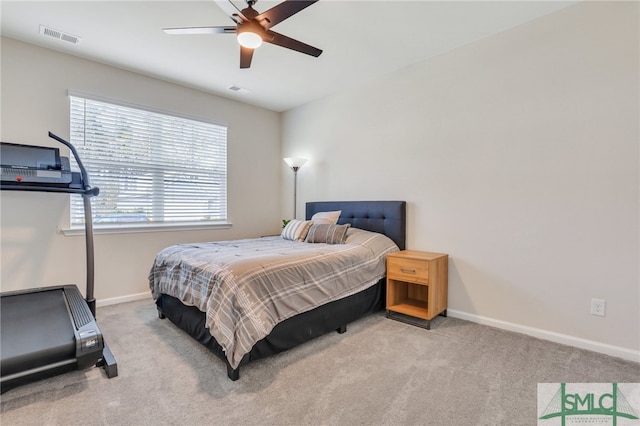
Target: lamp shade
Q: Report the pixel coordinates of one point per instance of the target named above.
(295, 163)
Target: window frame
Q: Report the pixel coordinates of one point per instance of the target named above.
(77, 227)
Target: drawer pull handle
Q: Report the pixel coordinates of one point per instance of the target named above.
(407, 271)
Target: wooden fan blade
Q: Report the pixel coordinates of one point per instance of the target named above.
(284, 41)
(282, 11)
(200, 30)
(246, 54)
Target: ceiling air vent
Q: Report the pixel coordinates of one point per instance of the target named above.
(239, 89)
(50, 32)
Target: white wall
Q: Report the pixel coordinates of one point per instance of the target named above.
(34, 99)
(518, 155)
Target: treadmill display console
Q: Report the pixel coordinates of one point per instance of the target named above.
(26, 164)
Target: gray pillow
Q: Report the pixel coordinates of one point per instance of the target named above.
(329, 234)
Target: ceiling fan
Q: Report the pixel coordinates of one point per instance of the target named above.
(253, 28)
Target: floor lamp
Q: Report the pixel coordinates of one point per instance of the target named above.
(295, 164)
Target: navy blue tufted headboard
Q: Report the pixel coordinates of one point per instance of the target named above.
(385, 217)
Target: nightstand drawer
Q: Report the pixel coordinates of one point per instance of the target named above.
(412, 270)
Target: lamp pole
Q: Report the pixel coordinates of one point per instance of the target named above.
(295, 190)
(295, 164)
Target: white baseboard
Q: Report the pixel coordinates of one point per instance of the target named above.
(123, 299)
(617, 351)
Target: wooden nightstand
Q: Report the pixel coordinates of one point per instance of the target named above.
(417, 286)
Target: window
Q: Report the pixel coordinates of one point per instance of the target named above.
(151, 168)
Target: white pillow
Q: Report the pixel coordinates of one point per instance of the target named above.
(296, 230)
(326, 218)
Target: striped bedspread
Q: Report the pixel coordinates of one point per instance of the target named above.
(246, 287)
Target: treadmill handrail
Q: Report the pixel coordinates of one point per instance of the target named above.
(83, 171)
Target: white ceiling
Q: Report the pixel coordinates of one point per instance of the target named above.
(361, 40)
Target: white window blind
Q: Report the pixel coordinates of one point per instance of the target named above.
(151, 168)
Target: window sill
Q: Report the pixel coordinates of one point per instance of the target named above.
(133, 228)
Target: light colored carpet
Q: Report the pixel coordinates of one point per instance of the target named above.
(380, 372)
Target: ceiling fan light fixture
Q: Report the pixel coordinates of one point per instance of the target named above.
(249, 39)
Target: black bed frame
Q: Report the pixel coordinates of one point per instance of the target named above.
(385, 217)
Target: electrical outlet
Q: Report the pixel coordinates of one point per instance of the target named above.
(598, 307)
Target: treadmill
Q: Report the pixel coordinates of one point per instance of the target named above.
(50, 330)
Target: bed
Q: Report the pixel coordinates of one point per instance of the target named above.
(198, 309)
